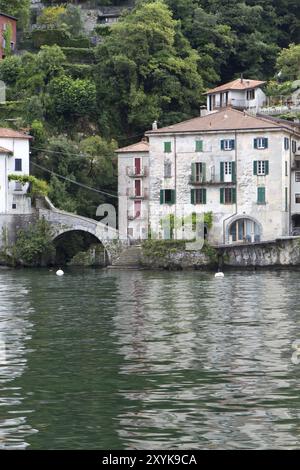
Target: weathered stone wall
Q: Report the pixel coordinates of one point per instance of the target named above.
(10, 225)
(279, 253)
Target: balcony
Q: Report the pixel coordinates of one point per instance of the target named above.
(139, 195)
(135, 216)
(133, 172)
(213, 180)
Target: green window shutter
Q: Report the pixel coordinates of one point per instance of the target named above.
(261, 195)
(193, 198)
(203, 170)
(173, 196)
(193, 168)
(266, 143)
(221, 171)
(232, 144)
(199, 145)
(255, 167)
(204, 195)
(255, 146)
(167, 147)
(222, 195)
(233, 195)
(222, 144)
(267, 167)
(286, 199)
(233, 172)
(161, 196)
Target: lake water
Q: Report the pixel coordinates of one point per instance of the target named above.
(107, 359)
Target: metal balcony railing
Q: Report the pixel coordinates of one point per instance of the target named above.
(133, 194)
(137, 173)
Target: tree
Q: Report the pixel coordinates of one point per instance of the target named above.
(288, 63)
(18, 8)
(72, 97)
(34, 245)
(146, 71)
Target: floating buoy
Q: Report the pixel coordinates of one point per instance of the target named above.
(219, 275)
(60, 272)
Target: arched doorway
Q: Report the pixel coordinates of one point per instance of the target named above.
(296, 224)
(244, 229)
(77, 247)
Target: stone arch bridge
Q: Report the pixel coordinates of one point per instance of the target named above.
(63, 222)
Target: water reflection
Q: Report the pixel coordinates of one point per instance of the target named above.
(107, 359)
(15, 329)
(215, 357)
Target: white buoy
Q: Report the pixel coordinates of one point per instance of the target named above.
(60, 272)
(219, 275)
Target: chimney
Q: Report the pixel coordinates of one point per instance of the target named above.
(242, 78)
(154, 126)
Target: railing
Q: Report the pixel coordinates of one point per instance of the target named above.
(135, 215)
(281, 109)
(208, 181)
(135, 173)
(132, 194)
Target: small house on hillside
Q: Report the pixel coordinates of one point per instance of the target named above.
(8, 32)
(242, 93)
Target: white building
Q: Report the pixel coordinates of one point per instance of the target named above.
(242, 168)
(241, 93)
(14, 159)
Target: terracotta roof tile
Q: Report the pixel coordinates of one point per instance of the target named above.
(10, 133)
(227, 119)
(142, 146)
(237, 84)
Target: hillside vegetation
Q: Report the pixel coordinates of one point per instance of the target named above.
(83, 95)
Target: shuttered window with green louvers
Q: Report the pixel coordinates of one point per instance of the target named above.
(261, 195)
(198, 196)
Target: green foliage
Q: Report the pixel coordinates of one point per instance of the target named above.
(18, 8)
(83, 55)
(10, 69)
(50, 37)
(159, 79)
(288, 63)
(50, 17)
(72, 97)
(37, 187)
(7, 36)
(34, 245)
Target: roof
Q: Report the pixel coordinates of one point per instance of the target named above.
(227, 119)
(142, 146)
(238, 84)
(4, 150)
(10, 133)
(8, 16)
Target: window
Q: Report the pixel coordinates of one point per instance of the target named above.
(297, 164)
(261, 167)
(297, 176)
(198, 196)
(250, 95)
(286, 168)
(167, 147)
(18, 164)
(261, 195)
(14, 206)
(244, 230)
(286, 199)
(297, 198)
(137, 188)
(227, 195)
(294, 146)
(18, 186)
(227, 144)
(167, 196)
(286, 143)
(198, 172)
(137, 209)
(260, 143)
(167, 169)
(199, 145)
(137, 166)
(227, 172)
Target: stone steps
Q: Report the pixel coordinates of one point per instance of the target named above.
(130, 257)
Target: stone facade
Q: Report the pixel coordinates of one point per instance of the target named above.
(246, 177)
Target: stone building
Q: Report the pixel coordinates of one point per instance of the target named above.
(7, 21)
(243, 168)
